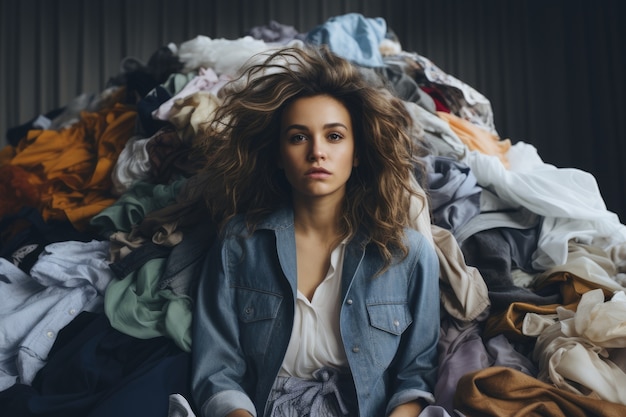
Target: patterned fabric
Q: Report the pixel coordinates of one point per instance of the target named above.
(320, 397)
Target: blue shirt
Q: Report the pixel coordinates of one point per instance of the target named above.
(245, 308)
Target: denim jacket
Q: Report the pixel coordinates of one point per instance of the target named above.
(245, 309)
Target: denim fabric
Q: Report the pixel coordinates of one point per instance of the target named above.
(245, 307)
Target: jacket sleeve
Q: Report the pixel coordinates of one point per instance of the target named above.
(415, 365)
(218, 365)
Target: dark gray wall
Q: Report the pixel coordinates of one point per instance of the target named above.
(553, 69)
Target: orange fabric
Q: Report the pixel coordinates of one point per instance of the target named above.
(18, 189)
(506, 392)
(74, 164)
(6, 154)
(477, 138)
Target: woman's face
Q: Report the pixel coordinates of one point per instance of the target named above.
(317, 148)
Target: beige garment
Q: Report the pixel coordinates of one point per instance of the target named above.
(192, 113)
(590, 264)
(572, 353)
(463, 290)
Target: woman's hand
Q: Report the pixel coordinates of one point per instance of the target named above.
(410, 409)
(239, 413)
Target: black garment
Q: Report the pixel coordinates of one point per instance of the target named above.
(25, 235)
(16, 133)
(495, 253)
(95, 371)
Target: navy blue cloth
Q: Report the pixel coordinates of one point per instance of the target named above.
(27, 228)
(95, 371)
(149, 103)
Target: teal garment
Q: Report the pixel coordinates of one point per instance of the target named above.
(135, 305)
(133, 205)
(177, 81)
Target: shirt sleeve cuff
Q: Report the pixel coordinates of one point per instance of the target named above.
(225, 402)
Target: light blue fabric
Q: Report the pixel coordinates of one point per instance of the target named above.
(245, 309)
(353, 37)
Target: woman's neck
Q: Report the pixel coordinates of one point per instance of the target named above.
(318, 218)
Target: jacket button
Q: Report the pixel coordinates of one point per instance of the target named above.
(396, 323)
(349, 301)
(356, 349)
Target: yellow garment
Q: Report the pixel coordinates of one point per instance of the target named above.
(477, 138)
(75, 164)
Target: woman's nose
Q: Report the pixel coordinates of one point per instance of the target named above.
(317, 151)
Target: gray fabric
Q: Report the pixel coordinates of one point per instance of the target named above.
(319, 397)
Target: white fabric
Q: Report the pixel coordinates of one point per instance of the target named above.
(316, 339)
(574, 352)
(602, 323)
(224, 56)
(206, 80)
(568, 198)
(179, 407)
(132, 165)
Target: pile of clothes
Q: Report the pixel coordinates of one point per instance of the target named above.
(99, 262)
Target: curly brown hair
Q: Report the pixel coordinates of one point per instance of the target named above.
(241, 144)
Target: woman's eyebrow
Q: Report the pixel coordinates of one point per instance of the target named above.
(336, 124)
(295, 127)
(303, 127)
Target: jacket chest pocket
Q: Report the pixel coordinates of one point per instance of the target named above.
(257, 312)
(388, 320)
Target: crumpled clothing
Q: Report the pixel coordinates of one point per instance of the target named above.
(274, 32)
(69, 277)
(574, 352)
(190, 114)
(466, 101)
(132, 165)
(437, 133)
(463, 290)
(205, 80)
(454, 194)
(477, 138)
(353, 37)
(569, 199)
(500, 391)
(320, 397)
(225, 56)
(75, 164)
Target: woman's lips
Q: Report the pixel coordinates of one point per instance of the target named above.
(317, 173)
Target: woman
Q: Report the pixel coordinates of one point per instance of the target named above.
(317, 298)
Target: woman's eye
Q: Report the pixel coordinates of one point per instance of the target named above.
(334, 136)
(298, 138)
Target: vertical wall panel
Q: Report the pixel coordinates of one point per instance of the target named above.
(552, 69)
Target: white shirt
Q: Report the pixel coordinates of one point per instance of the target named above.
(316, 339)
